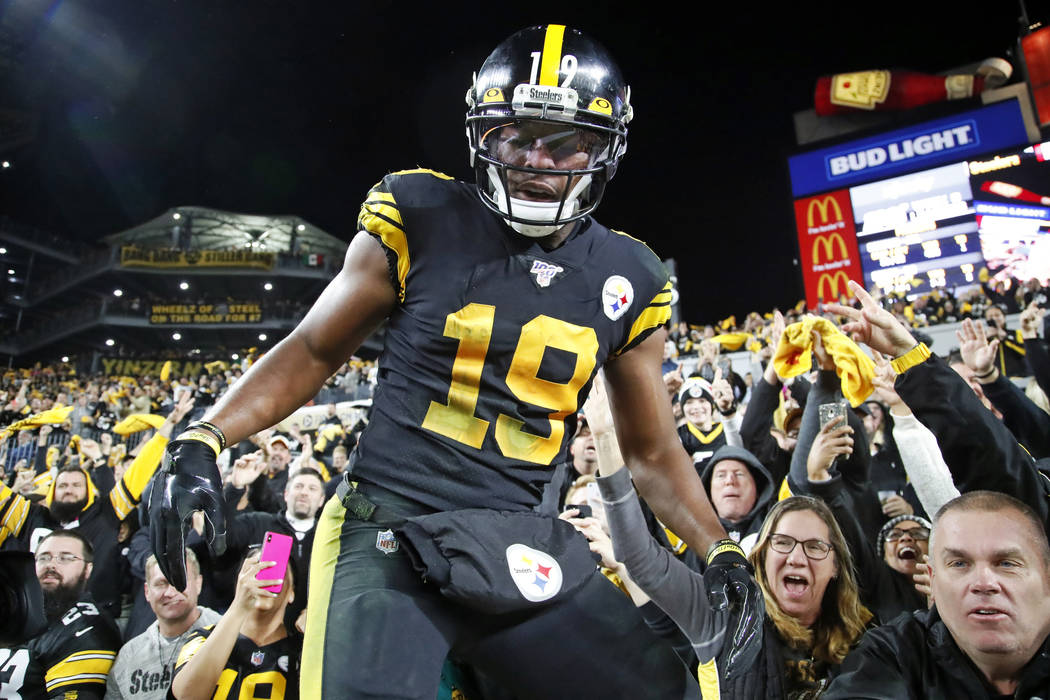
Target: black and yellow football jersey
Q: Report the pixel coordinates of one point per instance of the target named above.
(70, 660)
(701, 445)
(252, 672)
(494, 343)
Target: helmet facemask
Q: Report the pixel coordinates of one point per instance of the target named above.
(540, 175)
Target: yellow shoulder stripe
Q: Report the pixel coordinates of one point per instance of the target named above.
(89, 666)
(15, 510)
(189, 649)
(424, 171)
(656, 314)
(384, 221)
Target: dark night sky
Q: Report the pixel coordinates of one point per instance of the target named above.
(297, 108)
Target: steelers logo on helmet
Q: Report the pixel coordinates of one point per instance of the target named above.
(543, 158)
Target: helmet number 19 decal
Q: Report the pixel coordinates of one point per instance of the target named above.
(567, 68)
(472, 326)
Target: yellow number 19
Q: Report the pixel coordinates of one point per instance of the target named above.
(472, 325)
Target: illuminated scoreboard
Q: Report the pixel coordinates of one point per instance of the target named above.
(925, 206)
(918, 232)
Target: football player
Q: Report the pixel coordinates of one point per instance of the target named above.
(72, 657)
(503, 299)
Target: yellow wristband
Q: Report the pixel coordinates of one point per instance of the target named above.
(916, 356)
(723, 546)
(201, 436)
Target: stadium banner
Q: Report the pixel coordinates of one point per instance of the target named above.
(133, 256)
(827, 243)
(950, 139)
(227, 312)
(114, 366)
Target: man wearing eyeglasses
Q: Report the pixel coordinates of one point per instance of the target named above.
(71, 659)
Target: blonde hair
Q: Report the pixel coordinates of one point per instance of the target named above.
(579, 485)
(842, 618)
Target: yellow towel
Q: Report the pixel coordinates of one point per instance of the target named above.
(731, 341)
(137, 422)
(853, 367)
(51, 416)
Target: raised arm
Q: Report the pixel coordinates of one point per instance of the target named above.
(666, 478)
(350, 308)
(662, 470)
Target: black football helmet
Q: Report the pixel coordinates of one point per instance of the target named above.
(547, 125)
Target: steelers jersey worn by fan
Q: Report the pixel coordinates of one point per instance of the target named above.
(494, 343)
(701, 445)
(70, 660)
(252, 671)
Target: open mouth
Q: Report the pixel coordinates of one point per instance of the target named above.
(795, 586)
(907, 552)
(535, 191)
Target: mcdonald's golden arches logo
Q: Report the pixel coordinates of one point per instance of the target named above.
(829, 282)
(823, 205)
(827, 244)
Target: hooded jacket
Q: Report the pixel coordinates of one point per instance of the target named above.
(744, 531)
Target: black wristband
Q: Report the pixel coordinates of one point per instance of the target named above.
(987, 374)
(210, 427)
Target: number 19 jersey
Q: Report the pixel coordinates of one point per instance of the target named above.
(494, 342)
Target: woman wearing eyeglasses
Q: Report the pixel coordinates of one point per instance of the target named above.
(802, 564)
(887, 559)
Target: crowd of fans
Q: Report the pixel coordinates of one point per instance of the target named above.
(832, 480)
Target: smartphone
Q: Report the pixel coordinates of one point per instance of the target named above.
(585, 510)
(830, 411)
(885, 495)
(276, 548)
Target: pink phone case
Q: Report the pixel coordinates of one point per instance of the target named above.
(276, 548)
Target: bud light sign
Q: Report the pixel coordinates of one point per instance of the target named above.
(947, 140)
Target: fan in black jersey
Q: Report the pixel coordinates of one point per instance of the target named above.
(72, 658)
(503, 299)
(248, 653)
(710, 422)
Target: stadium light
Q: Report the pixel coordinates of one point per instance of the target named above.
(176, 216)
(262, 336)
(235, 356)
(3, 251)
(176, 336)
(110, 342)
(300, 228)
(65, 358)
(118, 292)
(268, 286)
(7, 164)
(10, 272)
(184, 286)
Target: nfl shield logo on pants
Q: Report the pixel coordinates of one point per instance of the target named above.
(386, 542)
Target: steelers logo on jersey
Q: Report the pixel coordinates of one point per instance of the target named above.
(617, 295)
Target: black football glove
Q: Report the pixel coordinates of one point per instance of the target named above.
(731, 587)
(187, 481)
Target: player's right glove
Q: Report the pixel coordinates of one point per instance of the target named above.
(187, 481)
(731, 587)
